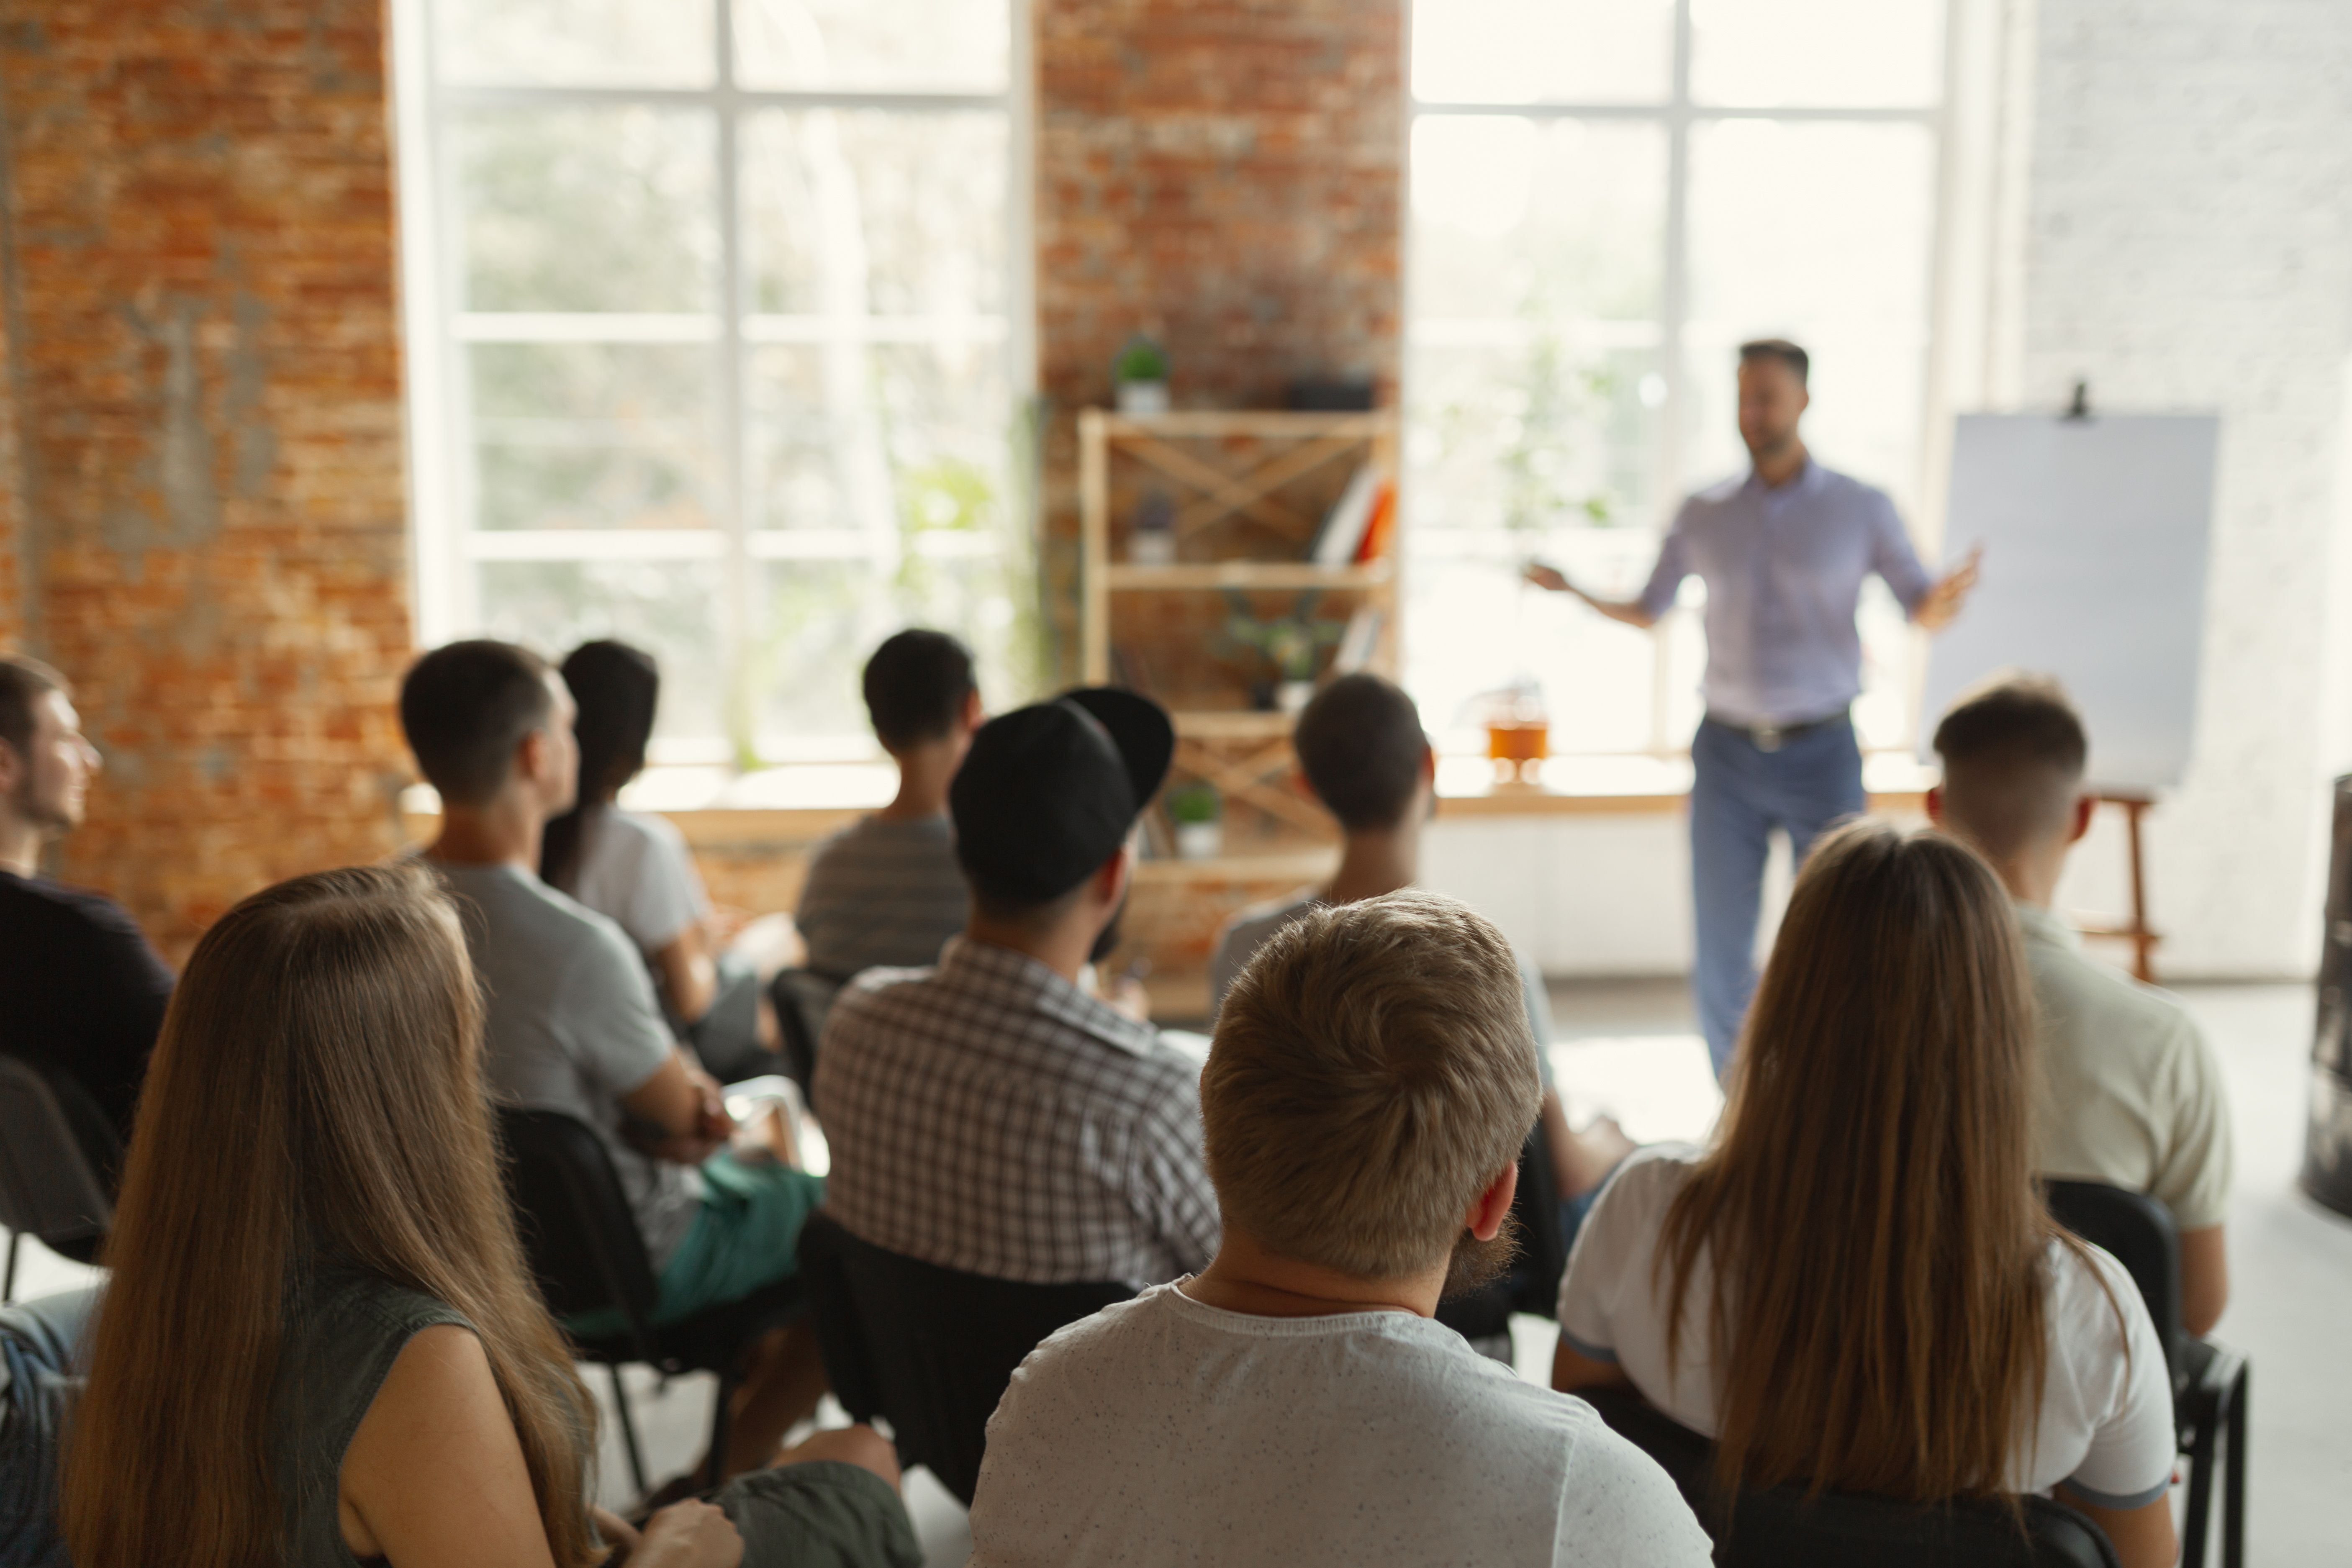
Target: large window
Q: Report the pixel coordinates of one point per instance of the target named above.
(1608, 196)
(711, 337)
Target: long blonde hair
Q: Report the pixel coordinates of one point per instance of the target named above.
(1869, 1203)
(315, 1099)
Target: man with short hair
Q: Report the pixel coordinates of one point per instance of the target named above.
(1366, 757)
(2131, 1094)
(989, 1115)
(80, 989)
(571, 1024)
(1370, 1083)
(888, 891)
(1784, 551)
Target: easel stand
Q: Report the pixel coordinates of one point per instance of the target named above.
(2134, 931)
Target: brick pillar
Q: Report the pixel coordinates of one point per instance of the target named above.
(1227, 175)
(204, 363)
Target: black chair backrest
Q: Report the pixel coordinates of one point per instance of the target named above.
(2140, 1233)
(1780, 1527)
(577, 1228)
(802, 998)
(55, 1149)
(928, 1349)
(1533, 1283)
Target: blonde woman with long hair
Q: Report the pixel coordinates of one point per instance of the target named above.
(1856, 1286)
(320, 1346)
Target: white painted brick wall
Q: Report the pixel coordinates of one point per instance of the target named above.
(2190, 246)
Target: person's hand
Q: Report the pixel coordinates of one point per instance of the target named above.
(1128, 995)
(1544, 576)
(686, 1148)
(617, 1532)
(1941, 603)
(688, 1534)
(712, 1122)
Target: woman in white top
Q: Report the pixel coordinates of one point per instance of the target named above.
(1856, 1286)
(634, 867)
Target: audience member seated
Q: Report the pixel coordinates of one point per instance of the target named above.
(989, 1115)
(327, 1348)
(1371, 1081)
(1362, 747)
(1856, 1285)
(80, 987)
(573, 1024)
(2131, 1093)
(635, 869)
(41, 1357)
(887, 891)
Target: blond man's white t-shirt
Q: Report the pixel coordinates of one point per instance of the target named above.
(2105, 1426)
(1165, 1431)
(2132, 1095)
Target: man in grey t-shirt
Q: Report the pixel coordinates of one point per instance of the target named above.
(887, 892)
(1295, 1402)
(570, 1025)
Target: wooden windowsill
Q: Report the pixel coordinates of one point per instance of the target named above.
(807, 803)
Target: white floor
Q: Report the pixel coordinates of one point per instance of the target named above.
(1628, 1048)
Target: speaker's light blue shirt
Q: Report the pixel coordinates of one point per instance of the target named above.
(1784, 568)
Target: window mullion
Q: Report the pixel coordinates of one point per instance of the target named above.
(736, 587)
(1674, 309)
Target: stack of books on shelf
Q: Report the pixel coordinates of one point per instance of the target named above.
(1356, 530)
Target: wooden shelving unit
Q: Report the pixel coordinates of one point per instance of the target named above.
(1248, 492)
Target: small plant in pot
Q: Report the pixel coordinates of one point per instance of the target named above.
(1151, 537)
(1140, 377)
(1292, 645)
(1198, 812)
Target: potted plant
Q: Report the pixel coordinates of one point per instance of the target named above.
(1140, 377)
(1292, 645)
(1199, 812)
(1151, 537)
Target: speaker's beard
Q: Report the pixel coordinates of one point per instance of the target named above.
(1477, 1264)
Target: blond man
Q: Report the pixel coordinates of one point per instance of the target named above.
(1371, 1081)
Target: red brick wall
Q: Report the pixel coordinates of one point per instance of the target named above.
(207, 384)
(12, 542)
(1227, 175)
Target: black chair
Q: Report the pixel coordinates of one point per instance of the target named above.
(802, 998)
(1780, 1526)
(927, 1348)
(58, 1154)
(583, 1244)
(2209, 1382)
(1533, 1283)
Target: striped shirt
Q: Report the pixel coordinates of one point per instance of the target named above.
(989, 1116)
(882, 893)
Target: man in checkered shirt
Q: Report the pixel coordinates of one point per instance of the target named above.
(989, 1115)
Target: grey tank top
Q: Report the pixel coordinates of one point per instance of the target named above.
(343, 1331)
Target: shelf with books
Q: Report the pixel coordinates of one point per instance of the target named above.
(1248, 502)
(1230, 561)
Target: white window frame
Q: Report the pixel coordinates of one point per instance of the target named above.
(1968, 201)
(447, 551)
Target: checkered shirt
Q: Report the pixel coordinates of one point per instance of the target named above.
(987, 1115)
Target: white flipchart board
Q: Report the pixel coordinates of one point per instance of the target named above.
(2095, 535)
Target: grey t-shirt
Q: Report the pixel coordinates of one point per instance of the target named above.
(1247, 932)
(1165, 1431)
(572, 1026)
(883, 895)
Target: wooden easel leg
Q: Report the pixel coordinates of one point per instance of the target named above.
(2143, 939)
